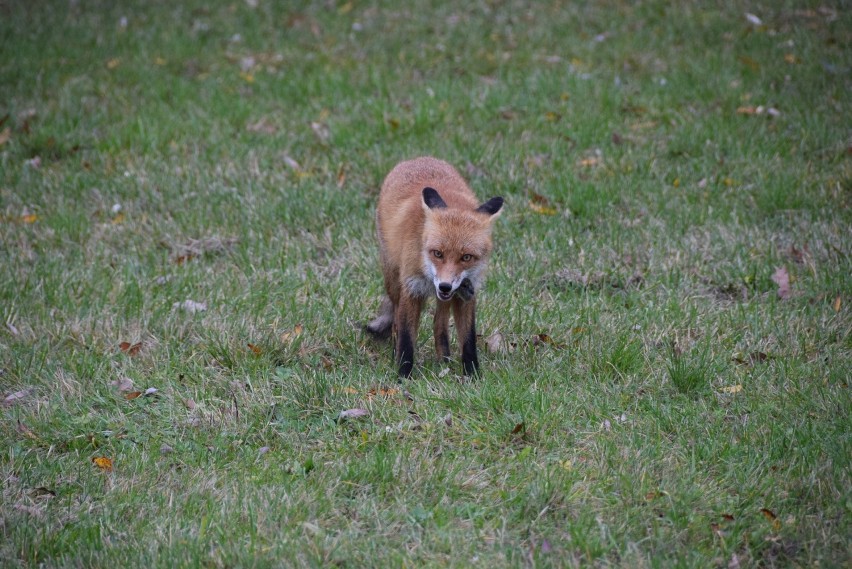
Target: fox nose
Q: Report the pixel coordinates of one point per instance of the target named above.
(445, 288)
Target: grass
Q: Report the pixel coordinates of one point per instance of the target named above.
(654, 403)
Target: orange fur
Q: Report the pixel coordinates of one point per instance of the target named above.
(434, 240)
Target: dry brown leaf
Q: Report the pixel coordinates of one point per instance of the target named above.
(837, 303)
(519, 427)
(132, 395)
(291, 335)
(732, 389)
(130, 349)
(29, 218)
(773, 519)
(255, 350)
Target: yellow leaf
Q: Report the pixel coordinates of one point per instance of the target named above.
(103, 463)
(247, 77)
(29, 218)
(159, 61)
(676, 183)
(119, 218)
(542, 209)
(567, 465)
(550, 116)
(113, 63)
(732, 389)
(293, 334)
(728, 182)
(837, 302)
(591, 161)
(770, 515)
(791, 58)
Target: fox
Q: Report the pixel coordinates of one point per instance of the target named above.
(434, 241)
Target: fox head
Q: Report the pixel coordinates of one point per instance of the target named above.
(456, 244)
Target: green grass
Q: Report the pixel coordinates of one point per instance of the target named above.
(678, 413)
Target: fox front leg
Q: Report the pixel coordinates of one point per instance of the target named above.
(464, 314)
(407, 321)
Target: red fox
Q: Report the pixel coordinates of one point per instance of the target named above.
(434, 240)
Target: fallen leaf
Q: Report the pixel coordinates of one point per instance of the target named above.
(448, 419)
(262, 126)
(29, 218)
(837, 303)
(130, 349)
(123, 384)
(382, 391)
(119, 218)
(292, 164)
(255, 350)
(728, 517)
(43, 491)
(291, 335)
(103, 463)
(545, 339)
(181, 259)
(791, 58)
(773, 519)
(353, 414)
(782, 278)
(732, 389)
(17, 396)
(190, 306)
(26, 431)
(113, 63)
(321, 131)
(350, 390)
(341, 177)
(496, 343)
(132, 395)
(753, 20)
(541, 204)
(519, 427)
(590, 161)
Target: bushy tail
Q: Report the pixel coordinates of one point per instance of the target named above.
(382, 325)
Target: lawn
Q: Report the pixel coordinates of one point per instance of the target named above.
(187, 257)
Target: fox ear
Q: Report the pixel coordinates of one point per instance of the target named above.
(491, 207)
(432, 200)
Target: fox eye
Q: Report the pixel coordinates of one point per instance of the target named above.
(467, 257)
(438, 254)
